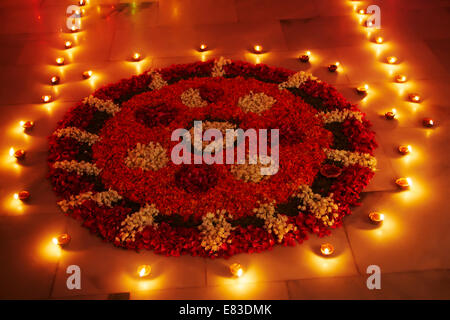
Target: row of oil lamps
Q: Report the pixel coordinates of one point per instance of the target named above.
(236, 269)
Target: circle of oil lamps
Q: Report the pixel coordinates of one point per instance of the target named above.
(333, 67)
(22, 195)
(62, 240)
(59, 61)
(428, 122)
(362, 89)
(144, 270)
(19, 154)
(136, 56)
(87, 74)
(403, 183)
(404, 150)
(391, 59)
(414, 97)
(203, 47)
(326, 249)
(390, 115)
(376, 217)
(27, 125)
(400, 78)
(305, 57)
(46, 98)
(68, 44)
(257, 49)
(379, 40)
(54, 80)
(237, 270)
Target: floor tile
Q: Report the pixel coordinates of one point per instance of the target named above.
(413, 285)
(235, 291)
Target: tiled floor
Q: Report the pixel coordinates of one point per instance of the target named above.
(411, 247)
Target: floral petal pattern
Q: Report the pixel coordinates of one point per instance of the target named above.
(109, 159)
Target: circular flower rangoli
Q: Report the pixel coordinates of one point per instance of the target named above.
(110, 159)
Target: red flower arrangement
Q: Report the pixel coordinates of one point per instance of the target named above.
(207, 210)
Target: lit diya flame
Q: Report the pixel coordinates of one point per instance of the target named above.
(376, 217)
(391, 60)
(379, 40)
(361, 11)
(237, 270)
(54, 80)
(202, 47)
(363, 89)
(305, 57)
(87, 74)
(369, 23)
(326, 249)
(403, 183)
(404, 149)
(428, 122)
(82, 2)
(19, 154)
(68, 44)
(62, 239)
(27, 125)
(46, 99)
(59, 61)
(22, 195)
(400, 78)
(414, 97)
(74, 28)
(390, 115)
(257, 48)
(136, 56)
(144, 270)
(333, 67)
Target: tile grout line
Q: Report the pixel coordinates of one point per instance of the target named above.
(287, 290)
(52, 286)
(351, 250)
